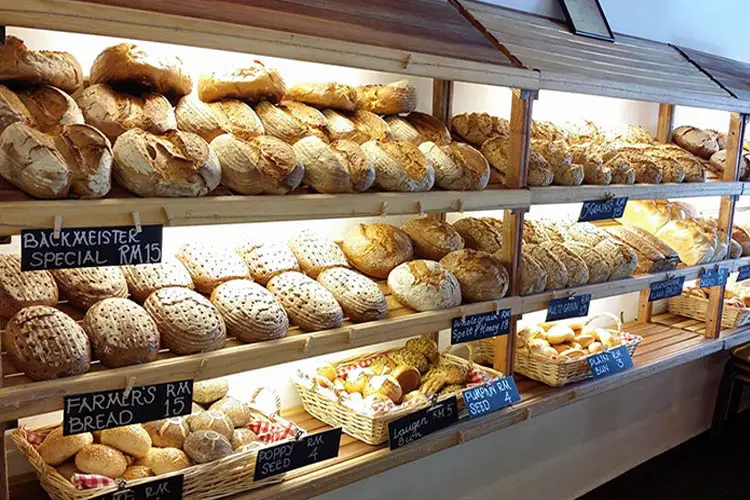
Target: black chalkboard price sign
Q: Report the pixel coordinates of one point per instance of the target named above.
(90, 247)
(96, 411)
(169, 488)
(716, 276)
(610, 208)
(419, 424)
(666, 288)
(292, 455)
(568, 307)
(480, 326)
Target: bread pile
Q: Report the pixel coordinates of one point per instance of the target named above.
(711, 145)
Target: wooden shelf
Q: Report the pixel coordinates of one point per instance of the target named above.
(567, 194)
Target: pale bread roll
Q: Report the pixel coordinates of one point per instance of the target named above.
(457, 166)
(308, 304)
(210, 120)
(291, 121)
(145, 279)
(339, 167)
(316, 253)
(252, 84)
(251, 312)
(85, 286)
(340, 126)
(209, 265)
(206, 446)
(51, 108)
(359, 296)
(266, 260)
(134, 472)
(481, 275)
(391, 99)
(166, 433)
(371, 125)
(121, 333)
(88, 154)
(19, 289)
(125, 65)
(102, 460)
(212, 420)
(165, 460)
(424, 285)
(238, 412)
(402, 130)
(56, 448)
(20, 66)
(400, 166)
(480, 234)
(210, 391)
(324, 95)
(433, 239)
(375, 249)
(429, 127)
(13, 110)
(130, 439)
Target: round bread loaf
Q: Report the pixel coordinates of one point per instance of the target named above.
(359, 296)
(51, 108)
(402, 130)
(253, 84)
(212, 420)
(88, 154)
(210, 120)
(167, 433)
(480, 233)
(316, 253)
(125, 65)
(699, 142)
(102, 460)
(22, 67)
(309, 305)
(399, 166)
(209, 266)
(210, 391)
(341, 167)
(266, 260)
(429, 127)
(324, 95)
(130, 439)
(375, 249)
(458, 166)
(433, 239)
(291, 121)
(481, 275)
(207, 446)
(85, 286)
(371, 125)
(115, 112)
(260, 165)
(145, 279)
(238, 412)
(251, 313)
(391, 99)
(165, 460)
(121, 332)
(134, 472)
(176, 164)
(45, 343)
(243, 437)
(56, 448)
(424, 285)
(341, 127)
(187, 321)
(19, 289)
(13, 110)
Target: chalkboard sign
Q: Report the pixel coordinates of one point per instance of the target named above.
(610, 362)
(480, 326)
(666, 288)
(419, 424)
(90, 247)
(292, 455)
(611, 208)
(169, 488)
(743, 273)
(714, 277)
(492, 396)
(95, 411)
(568, 307)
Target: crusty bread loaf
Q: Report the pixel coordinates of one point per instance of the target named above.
(432, 238)
(480, 234)
(689, 164)
(578, 271)
(360, 298)
(697, 141)
(243, 437)
(375, 249)
(497, 152)
(429, 127)
(165, 460)
(739, 233)
(19, 289)
(167, 433)
(51, 108)
(481, 275)
(210, 120)
(206, 446)
(390, 99)
(266, 260)
(260, 165)
(324, 95)
(13, 110)
(399, 166)
(252, 84)
(402, 130)
(88, 155)
(339, 167)
(291, 121)
(170, 165)
(535, 231)
(475, 128)
(238, 412)
(209, 391)
(546, 130)
(85, 286)
(371, 125)
(653, 254)
(22, 67)
(598, 268)
(340, 126)
(309, 305)
(125, 65)
(212, 420)
(210, 265)
(557, 154)
(316, 253)
(45, 343)
(187, 321)
(554, 266)
(145, 279)
(585, 232)
(594, 170)
(621, 259)
(424, 285)
(649, 215)
(130, 439)
(458, 166)
(251, 312)
(101, 460)
(533, 274)
(56, 448)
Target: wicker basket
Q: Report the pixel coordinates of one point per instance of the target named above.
(558, 372)
(692, 306)
(370, 429)
(220, 478)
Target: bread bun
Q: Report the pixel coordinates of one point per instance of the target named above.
(134, 472)
(210, 120)
(402, 130)
(252, 84)
(121, 332)
(480, 233)
(22, 67)
(125, 65)
(165, 460)
(45, 343)
(243, 437)
(187, 321)
(424, 285)
(212, 420)
(341, 167)
(130, 439)
(51, 108)
(13, 110)
(56, 448)
(145, 279)
(432, 238)
(207, 446)
(209, 266)
(266, 260)
(481, 275)
(251, 312)
(101, 460)
(560, 334)
(391, 99)
(371, 126)
(19, 289)
(458, 166)
(375, 249)
(238, 412)
(360, 297)
(384, 385)
(85, 286)
(167, 433)
(291, 121)
(309, 305)
(210, 391)
(399, 166)
(429, 127)
(324, 95)
(316, 253)
(341, 127)
(408, 378)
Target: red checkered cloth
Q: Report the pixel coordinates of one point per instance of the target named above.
(34, 438)
(271, 433)
(343, 371)
(91, 481)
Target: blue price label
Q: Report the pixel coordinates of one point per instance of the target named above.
(665, 289)
(492, 396)
(568, 307)
(743, 273)
(611, 208)
(714, 277)
(480, 326)
(609, 362)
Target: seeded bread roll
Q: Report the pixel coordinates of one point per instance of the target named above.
(56, 448)
(251, 312)
(206, 446)
(187, 321)
(101, 460)
(130, 439)
(209, 265)
(429, 127)
(391, 99)
(399, 166)
(252, 84)
(360, 298)
(145, 279)
(167, 433)
(497, 152)
(21, 67)
(210, 120)
(266, 260)
(12, 109)
(165, 460)
(316, 253)
(51, 108)
(341, 167)
(475, 128)
(598, 268)
(402, 130)
(340, 127)
(457, 166)
(309, 305)
(19, 289)
(237, 412)
(697, 141)
(578, 272)
(533, 274)
(481, 275)
(125, 65)
(324, 95)
(375, 249)
(554, 266)
(85, 286)
(432, 239)
(371, 125)
(480, 234)
(424, 285)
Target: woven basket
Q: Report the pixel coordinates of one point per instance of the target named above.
(692, 306)
(558, 372)
(370, 429)
(220, 478)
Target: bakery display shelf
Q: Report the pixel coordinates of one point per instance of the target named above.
(537, 302)
(20, 396)
(568, 194)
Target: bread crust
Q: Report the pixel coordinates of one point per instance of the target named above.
(20, 289)
(212, 119)
(481, 275)
(252, 84)
(375, 249)
(22, 67)
(432, 239)
(390, 99)
(324, 95)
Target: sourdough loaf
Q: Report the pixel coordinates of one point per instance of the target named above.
(212, 420)
(533, 274)
(339, 167)
(209, 265)
(481, 275)
(210, 120)
(21, 67)
(88, 155)
(316, 253)
(577, 270)
(457, 166)
(390, 99)
(165, 433)
(209, 391)
(324, 95)
(145, 279)
(695, 140)
(424, 285)
(476, 128)
(402, 130)
(341, 126)
(557, 154)
(429, 127)
(85, 286)
(252, 84)
(598, 267)
(360, 298)
(250, 312)
(399, 166)
(621, 259)
(480, 234)
(12, 109)
(266, 260)
(371, 125)
(375, 249)
(206, 446)
(546, 130)
(553, 264)
(239, 413)
(51, 108)
(308, 304)
(291, 121)
(497, 152)
(432, 238)
(19, 289)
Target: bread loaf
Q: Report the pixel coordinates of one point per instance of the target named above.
(402, 130)
(209, 391)
(594, 170)
(424, 285)
(238, 412)
(19, 289)
(130, 439)
(429, 127)
(533, 274)
(88, 154)
(45, 343)
(341, 167)
(145, 279)
(735, 249)
(341, 127)
(22, 67)
(739, 234)
(598, 268)
(695, 140)
(481, 275)
(360, 298)
(690, 240)
(101, 460)
(375, 249)
(210, 120)
(291, 121)
(171, 165)
(252, 84)
(691, 166)
(564, 171)
(165, 460)
(649, 215)
(391, 99)
(554, 266)
(584, 131)
(316, 253)
(261, 165)
(648, 249)
(85, 286)
(432, 238)
(621, 259)
(266, 260)
(51, 108)
(206, 446)
(399, 166)
(251, 312)
(187, 321)
(535, 231)
(324, 95)
(497, 152)
(480, 234)
(209, 265)
(211, 420)
(242, 438)
(476, 128)
(457, 166)
(546, 130)
(56, 448)
(125, 65)
(308, 304)
(371, 126)
(12, 109)
(623, 159)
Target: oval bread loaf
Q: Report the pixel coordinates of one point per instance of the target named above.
(429, 127)
(402, 130)
(239, 413)
(391, 99)
(497, 152)
(359, 296)
(206, 446)
(251, 312)
(23, 67)
(165, 460)
(19, 289)
(399, 166)
(316, 253)
(533, 274)
(578, 271)
(101, 460)
(145, 279)
(291, 121)
(308, 304)
(209, 391)
(340, 126)
(375, 249)
(51, 108)
(690, 240)
(85, 286)
(457, 166)
(371, 125)
(13, 110)
(253, 83)
(557, 273)
(56, 448)
(209, 265)
(476, 128)
(599, 269)
(266, 260)
(424, 285)
(324, 95)
(480, 234)
(88, 154)
(620, 258)
(699, 142)
(210, 120)
(432, 238)
(481, 275)
(243, 437)
(341, 167)
(167, 433)
(130, 439)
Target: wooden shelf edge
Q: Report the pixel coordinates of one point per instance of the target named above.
(566, 194)
(734, 337)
